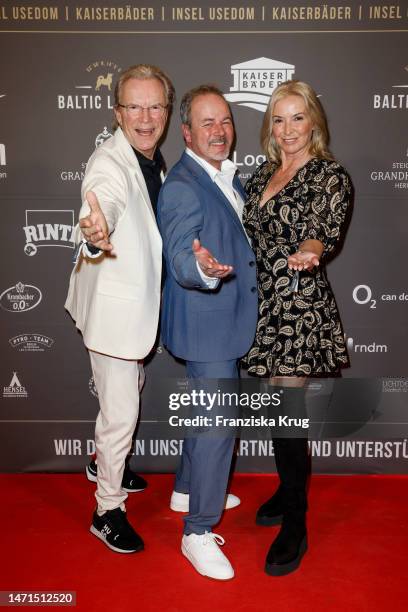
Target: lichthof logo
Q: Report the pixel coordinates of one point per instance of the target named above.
(102, 137)
(255, 81)
(373, 347)
(395, 385)
(15, 388)
(48, 228)
(31, 342)
(99, 77)
(20, 298)
(92, 387)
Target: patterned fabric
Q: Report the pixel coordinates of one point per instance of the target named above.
(298, 334)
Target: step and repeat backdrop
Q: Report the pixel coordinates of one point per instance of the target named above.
(59, 63)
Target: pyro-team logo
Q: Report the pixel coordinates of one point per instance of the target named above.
(15, 388)
(20, 298)
(255, 81)
(33, 343)
(45, 228)
(94, 89)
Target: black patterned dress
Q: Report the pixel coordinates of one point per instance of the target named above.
(298, 333)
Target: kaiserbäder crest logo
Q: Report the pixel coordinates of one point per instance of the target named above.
(255, 80)
(48, 228)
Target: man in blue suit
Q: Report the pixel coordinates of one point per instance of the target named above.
(209, 308)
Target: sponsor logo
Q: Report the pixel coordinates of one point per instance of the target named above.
(255, 81)
(20, 298)
(363, 295)
(397, 385)
(45, 228)
(373, 347)
(395, 100)
(102, 137)
(31, 342)
(92, 387)
(94, 90)
(396, 174)
(79, 174)
(2, 160)
(15, 388)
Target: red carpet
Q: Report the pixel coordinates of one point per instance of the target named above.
(357, 559)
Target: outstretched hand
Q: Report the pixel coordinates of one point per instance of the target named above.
(303, 260)
(94, 227)
(208, 263)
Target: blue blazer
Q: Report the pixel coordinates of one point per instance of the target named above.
(199, 324)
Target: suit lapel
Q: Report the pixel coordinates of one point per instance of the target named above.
(205, 181)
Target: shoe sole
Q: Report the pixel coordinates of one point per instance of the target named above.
(287, 568)
(201, 572)
(266, 521)
(92, 478)
(98, 534)
(180, 508)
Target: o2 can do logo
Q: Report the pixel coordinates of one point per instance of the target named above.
(20, 298)
(362, 294)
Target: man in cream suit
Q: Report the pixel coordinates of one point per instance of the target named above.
(114, 291)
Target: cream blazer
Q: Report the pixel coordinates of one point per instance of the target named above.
(115, 300)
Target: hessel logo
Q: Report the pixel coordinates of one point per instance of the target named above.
(92, 387)
(45, 228)
(31, 342)
(20, 298)
(98, 77)
(255, 81)
(102, 137)
(391, 101)
(15, 388)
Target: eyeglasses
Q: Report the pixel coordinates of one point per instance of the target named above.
(136, 110)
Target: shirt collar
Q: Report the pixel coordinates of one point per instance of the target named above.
(156, 164)
(228, 168)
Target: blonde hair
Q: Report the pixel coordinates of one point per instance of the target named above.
(319, 144)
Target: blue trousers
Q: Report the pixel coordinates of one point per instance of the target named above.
(206, 459)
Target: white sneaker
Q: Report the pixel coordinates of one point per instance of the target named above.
(203, 553)
(179, 502)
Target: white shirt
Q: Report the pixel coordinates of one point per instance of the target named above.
(223, 179)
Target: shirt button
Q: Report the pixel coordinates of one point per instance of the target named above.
(253, 289)
(252, 263)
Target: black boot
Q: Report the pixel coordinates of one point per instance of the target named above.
(287, 550)
(271, 512)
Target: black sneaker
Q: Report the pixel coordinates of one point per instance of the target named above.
(131, 482)
(116, 532)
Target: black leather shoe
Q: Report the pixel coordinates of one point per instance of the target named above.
(271, 512)
(287, 550)
(131, 482)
